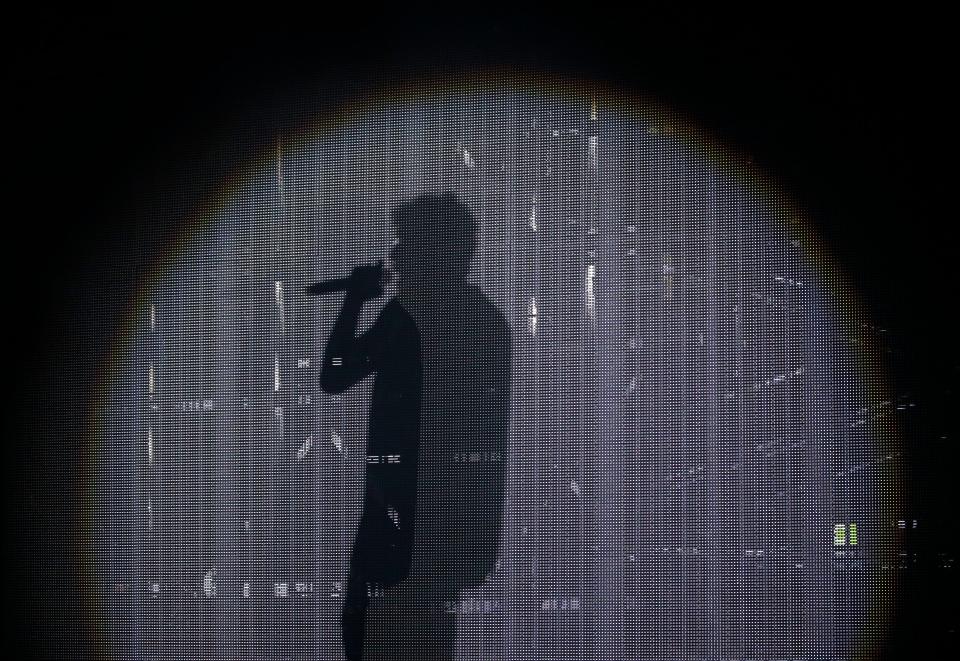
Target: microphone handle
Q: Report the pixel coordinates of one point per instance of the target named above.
(342, 284)
(329, 286)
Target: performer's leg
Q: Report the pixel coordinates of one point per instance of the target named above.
(354, 618)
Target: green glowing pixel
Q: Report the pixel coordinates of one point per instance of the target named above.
(839, 534)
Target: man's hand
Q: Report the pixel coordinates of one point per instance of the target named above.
(367, 281)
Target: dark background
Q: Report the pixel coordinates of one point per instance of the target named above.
(105, 107)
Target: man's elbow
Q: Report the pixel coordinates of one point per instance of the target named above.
(333, 383)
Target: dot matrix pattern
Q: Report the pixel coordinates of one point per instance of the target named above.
(690, 422)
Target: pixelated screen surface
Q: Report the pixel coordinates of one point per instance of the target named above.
(695, 461)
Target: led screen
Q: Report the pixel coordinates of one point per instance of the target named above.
(649, 420)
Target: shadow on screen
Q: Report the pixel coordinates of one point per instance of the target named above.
(436, 446)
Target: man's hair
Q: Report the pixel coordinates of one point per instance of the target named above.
(441, 228)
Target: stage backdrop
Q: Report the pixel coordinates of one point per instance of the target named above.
(697, 464)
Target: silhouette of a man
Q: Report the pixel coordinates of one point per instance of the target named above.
(391, 349)
(436, 441)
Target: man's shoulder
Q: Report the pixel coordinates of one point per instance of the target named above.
(395, 316)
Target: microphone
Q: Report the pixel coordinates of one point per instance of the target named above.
(334, 285)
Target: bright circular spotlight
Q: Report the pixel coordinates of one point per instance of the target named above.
(696, 463)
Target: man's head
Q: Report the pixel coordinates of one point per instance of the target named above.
(436, 240)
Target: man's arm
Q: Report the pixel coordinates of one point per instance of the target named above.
(349, 359)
